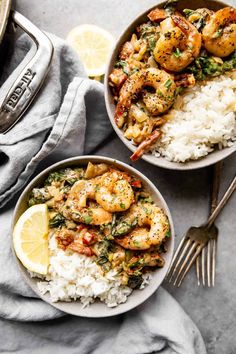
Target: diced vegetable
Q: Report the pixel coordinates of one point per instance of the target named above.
(136, 183)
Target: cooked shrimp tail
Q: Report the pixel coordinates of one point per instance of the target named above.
(146, 144)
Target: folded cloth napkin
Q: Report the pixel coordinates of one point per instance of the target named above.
(68, 118)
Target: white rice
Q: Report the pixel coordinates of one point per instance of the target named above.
(201, 119)
(73, 276)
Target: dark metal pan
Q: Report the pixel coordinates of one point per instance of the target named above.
(30, 80)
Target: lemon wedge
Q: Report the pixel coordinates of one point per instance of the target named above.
(93, 45)
(30, 239)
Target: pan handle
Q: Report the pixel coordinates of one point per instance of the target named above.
(30, 80)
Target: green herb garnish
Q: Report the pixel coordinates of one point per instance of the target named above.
(102, 260)
(168, 234)
(168, 84)
(54, 177)
(160, 93)
(152, 43)
(122, 64)
(188, 12)
(177, 53)
(56, 221)
(218, 33)
(123, 227)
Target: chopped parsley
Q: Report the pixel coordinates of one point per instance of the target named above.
(122, 64)
(177, 53)
(218, 33)
(57, 221)
(188, 12)
(168, 84)
(152, 43)
(101, 260)
(122, 205)
(168, 234)
(54, 177)
(160, 93)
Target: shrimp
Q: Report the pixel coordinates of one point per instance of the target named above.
(114, 192)
(178, 45)
(76, 207)
(81, 191)
(219, 34)
(152, 259)
(142, 237)
(156, 103)
(95, 170)
(199, 17)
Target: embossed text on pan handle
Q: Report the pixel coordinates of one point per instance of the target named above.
(30, 80)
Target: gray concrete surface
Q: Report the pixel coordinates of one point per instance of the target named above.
(187, 193)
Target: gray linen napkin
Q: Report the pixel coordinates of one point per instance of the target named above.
(69, 118)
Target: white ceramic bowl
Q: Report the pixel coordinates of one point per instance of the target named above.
(210, 159)
(99, 309)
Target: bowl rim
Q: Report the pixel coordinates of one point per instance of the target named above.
(205, 161)
(106, 312)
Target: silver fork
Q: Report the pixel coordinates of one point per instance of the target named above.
(193, 242)
(207, 258)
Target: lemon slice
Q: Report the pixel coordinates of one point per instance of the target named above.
(30, 239)
(93, 45)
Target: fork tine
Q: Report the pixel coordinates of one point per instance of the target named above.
(214, 260)
(203, 266)
(198, 270)
(192, 248)
(209, 263)
(180, 257)
(198, 250)
(175, 256)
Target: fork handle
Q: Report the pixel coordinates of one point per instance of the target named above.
(221, 204)
(215, 185)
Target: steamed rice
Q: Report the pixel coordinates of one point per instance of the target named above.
(74, 276)
(201, 119)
